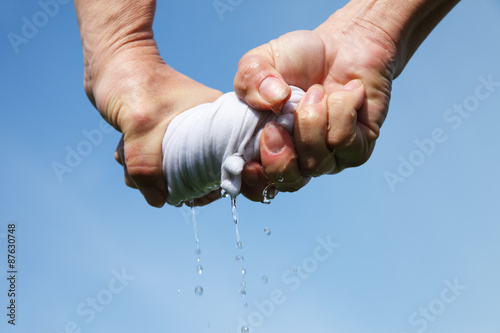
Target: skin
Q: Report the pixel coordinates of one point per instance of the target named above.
(133, 88)
(358, 51)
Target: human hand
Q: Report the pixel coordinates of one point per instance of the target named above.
(139, 95)
(320, 120)
(356, 72)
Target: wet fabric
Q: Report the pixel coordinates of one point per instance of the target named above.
(206, 147)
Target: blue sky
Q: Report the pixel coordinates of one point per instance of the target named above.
(420, 255)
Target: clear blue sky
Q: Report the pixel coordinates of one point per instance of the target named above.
(420, 255)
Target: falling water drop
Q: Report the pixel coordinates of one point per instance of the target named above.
(280, 178)
(198, 290)
(195, 226)
(234, 210)
(178, 291)
(264, 279)
(267, 231)
(239, 245)
(269, 193)
(245, 305)
(223, 193)
(245, 329)
(199, 269)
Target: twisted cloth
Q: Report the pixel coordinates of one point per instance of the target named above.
(206, 147)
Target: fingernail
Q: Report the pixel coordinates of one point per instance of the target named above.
(154, 197)
(250, 179)
(352, 85)
(273, 138)
(273, 90)
(314, 95)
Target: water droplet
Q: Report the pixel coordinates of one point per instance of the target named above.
(245, 329)
(267, 231)
(199, 269)
(245, 305)
(264, 279)
(198, 259)
(269, 193)
(239, 245)
(243, 271)
(198, 290)
(223, 193)
(197, 251)
(294, 270)
(243, 293)
(178, 291)
(239, 258)
(243, 284)
(280, 178)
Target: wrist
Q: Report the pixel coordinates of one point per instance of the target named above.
(357, 24)
(397, 26)
(117, 58)
(136, 81)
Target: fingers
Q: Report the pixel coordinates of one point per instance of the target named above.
(346, 136)
(143, 166)
(151, 198)
(119, 154)
(279, 170)
(327, 135)
(254, 181)
(120, 158)
(310, 132)
(278, 157)
(208, 198)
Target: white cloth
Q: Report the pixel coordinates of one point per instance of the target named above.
(206, 147)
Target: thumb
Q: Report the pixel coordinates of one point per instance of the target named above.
(258, 83)
(265, 72)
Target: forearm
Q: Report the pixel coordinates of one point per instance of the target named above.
(111, 29)
(399, 26)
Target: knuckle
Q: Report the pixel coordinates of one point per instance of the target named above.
(142, 173)
(342, 140)
(142, 169)
(282, 171)
(140, 120)
(252, 70)
(309, 165)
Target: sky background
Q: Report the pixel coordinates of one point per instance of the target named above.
(399, 249)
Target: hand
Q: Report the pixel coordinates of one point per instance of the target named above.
(313, 135)
(356, 72)
(139, 95)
